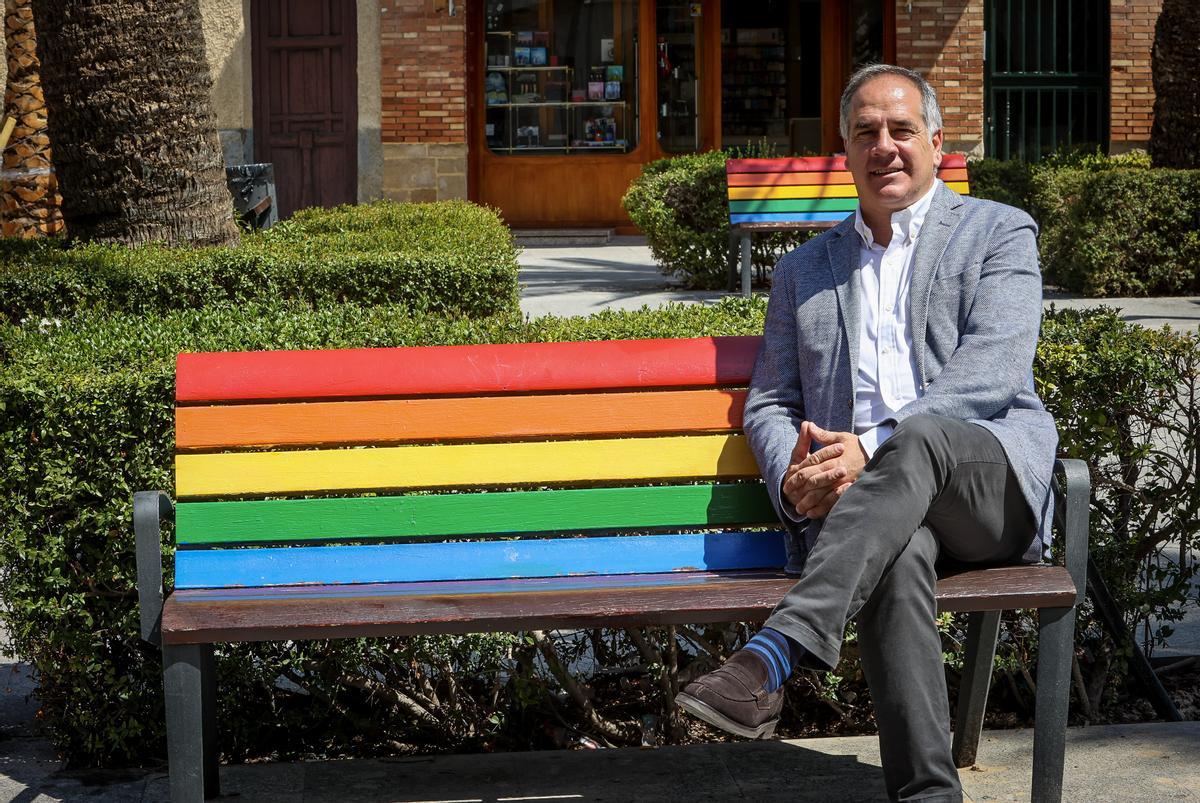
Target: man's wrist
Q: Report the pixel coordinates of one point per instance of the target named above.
(872, 438)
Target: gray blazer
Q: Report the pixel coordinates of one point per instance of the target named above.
(976, 308)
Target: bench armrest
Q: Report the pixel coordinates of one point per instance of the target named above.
(1072, 502)
(150, 509)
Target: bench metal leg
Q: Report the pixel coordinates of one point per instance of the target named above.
(190, 683)
(983, 628)
(732, 263)
(1056, 637)
(746, 265)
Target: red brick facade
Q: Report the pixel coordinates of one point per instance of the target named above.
(1132, 87)
(423, 79)
(423, 71)
(943, 40)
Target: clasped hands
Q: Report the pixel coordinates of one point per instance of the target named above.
(814, 481)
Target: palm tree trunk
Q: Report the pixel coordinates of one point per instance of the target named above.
(135, 143)
(1175, 135)
(30, 205)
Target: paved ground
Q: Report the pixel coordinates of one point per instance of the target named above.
(622, 275)
(1152, 762)
(1133, 763)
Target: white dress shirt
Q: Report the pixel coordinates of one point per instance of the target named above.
(887, 366)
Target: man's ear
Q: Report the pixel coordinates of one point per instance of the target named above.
(937, 148)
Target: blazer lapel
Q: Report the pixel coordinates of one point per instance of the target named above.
(940, 222)
(843, 253)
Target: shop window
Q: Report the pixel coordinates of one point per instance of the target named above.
(771, 75)
(560, 76)
(678, 68)
(866, 33)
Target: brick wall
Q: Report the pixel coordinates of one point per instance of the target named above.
(943, 40)
(423, 76)
(1131, 81)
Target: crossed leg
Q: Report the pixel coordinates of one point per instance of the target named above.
(937, 486)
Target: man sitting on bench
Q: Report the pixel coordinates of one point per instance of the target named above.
(893, 415)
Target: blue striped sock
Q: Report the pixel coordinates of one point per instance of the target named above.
(778, 652)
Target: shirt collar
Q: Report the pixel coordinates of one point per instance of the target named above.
(905, 223)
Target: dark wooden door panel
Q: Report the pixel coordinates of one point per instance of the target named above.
(305, 108)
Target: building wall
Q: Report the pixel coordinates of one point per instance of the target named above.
(423, 54)
(227, 43)
(1131, 85)
(943, 40)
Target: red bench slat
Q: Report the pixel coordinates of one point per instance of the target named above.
(808, 164)
(452, 370)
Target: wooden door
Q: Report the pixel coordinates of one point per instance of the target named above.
(305, 106)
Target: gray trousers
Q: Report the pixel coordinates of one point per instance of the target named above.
(936, 487)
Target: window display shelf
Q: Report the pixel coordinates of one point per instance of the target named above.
(551, 68)
(552, 108)
(557, 104)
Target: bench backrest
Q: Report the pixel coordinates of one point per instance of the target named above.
(467, 462)
(815, 190)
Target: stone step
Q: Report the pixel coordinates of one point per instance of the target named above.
(562, 237)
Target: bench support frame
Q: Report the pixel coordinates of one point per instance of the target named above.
(189, 675)
(190, 683)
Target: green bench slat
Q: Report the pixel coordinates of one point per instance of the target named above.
(794, 205)
(446, 515)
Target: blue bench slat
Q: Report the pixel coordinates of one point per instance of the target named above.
(477, 560)
(793, 217)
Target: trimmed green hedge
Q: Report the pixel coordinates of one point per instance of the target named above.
(87, 420)
(1110, 226)
(681, 205)
(1125, 233)
(452, 257)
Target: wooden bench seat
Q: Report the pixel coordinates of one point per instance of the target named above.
(803, 193)
(205, 616)
(387, 492)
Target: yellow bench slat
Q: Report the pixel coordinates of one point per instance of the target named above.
(449, 466)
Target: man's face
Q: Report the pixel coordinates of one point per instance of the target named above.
(889, 152)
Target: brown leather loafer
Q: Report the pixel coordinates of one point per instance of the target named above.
(731, 699)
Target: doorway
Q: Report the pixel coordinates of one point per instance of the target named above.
(771, 75)
(305, 99)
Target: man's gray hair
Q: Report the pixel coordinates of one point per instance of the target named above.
(930, 112)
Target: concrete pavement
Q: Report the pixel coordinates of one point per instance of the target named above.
(623, 275)
(1133, 763)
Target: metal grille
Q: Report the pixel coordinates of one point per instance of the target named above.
(1047, 76)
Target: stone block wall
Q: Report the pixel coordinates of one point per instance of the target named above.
(1131, 87)
(417, 171)
(943, 40)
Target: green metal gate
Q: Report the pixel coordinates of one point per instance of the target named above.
(1046, 77)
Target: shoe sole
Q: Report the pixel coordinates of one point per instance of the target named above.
(712, 716)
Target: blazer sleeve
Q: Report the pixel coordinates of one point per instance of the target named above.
(993, 360)
(775, 401)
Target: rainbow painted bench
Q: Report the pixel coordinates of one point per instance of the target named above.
(400, 491)
(802, 193)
